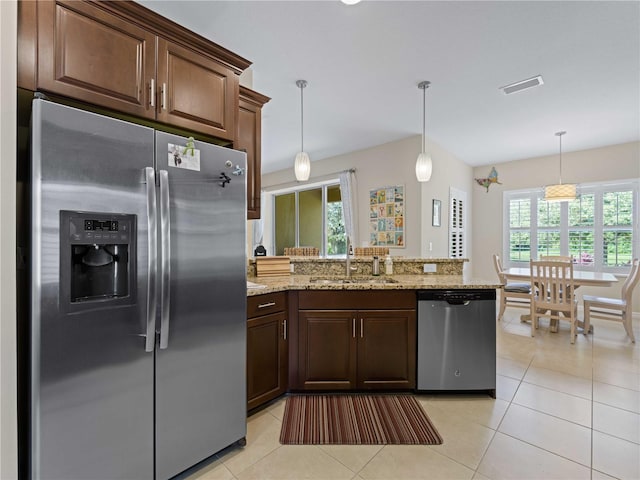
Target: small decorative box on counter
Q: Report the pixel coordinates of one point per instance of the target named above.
(272, 266)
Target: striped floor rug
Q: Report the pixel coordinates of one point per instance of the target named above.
(356, 420)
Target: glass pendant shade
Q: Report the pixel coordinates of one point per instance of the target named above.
(302, 167)
(561, 192)
(423, 167)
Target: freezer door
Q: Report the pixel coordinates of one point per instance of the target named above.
(200, 365)
(91, 378)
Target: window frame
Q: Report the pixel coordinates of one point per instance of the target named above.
(324, 185)
(598, 189)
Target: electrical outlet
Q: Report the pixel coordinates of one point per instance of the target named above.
(429, 268)
(291, 267)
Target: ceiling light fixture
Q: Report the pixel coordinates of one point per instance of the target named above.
(562, 192)
(423, 163)
(522, 85)
(350, 2)
(302, 165)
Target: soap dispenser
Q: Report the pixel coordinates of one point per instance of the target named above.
(388, 265)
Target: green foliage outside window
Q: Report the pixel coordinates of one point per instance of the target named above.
(617, 216)
(336, 235)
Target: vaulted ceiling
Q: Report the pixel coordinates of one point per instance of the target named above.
(363, 64)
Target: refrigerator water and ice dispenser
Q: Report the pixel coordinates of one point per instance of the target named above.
(97, 260)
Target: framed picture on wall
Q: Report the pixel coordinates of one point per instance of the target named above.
(386, 216)
(435, 219)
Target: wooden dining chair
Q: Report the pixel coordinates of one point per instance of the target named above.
(553, 297)
(616, 309)
(556, 258)
(512, 294)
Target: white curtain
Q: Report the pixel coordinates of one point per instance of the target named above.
(349, 203)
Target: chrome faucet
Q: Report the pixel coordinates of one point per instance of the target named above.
(348, 264)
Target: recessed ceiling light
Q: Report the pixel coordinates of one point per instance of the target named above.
(350, 2)
(522, 85)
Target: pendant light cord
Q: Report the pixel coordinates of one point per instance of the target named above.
(424, 117)
(560, 159)
(560, 134)
(301, 118)
(423, 86)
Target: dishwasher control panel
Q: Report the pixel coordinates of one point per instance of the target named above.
(457, 295)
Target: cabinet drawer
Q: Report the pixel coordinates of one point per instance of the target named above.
(259, 305)
(357, 300)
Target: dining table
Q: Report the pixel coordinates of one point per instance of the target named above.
(587, 278)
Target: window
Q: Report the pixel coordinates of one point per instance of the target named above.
(310, 217)
(599, 229)
(457, 222)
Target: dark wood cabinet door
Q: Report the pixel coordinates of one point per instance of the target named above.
(196, 92)
(89, 54)
(249, 141)
(386, 349)
(327, 350)
(266, 358)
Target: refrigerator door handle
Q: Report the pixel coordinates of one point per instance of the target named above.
(152, 223)
(165, 258)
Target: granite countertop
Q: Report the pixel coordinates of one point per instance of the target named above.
(403, 282)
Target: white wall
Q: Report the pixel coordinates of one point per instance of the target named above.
(448, 172)
(616, 162)
(392, 164)
(8, 405)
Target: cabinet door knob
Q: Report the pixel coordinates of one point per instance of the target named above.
(164, 96)
(284, 329)
(353, 324)
(361, 328)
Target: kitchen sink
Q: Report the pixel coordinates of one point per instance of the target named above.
(351, 280)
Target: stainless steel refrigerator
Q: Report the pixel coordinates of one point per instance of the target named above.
(138, 298)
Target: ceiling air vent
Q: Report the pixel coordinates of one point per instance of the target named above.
(522, 85)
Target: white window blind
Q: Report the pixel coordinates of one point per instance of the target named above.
(599, 229)
(457, 223)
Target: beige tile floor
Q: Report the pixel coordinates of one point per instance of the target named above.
(562, 412)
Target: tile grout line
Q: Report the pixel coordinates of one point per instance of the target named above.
(592, 400)
(511, 402)
(495, 432)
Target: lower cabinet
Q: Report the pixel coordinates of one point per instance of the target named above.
(266, 348)
(357, 348)
(328, 349)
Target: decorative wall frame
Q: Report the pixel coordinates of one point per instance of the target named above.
(386, 216)
(436, 212)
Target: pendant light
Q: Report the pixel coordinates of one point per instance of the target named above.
(423, 163)
(302, 165)
(561, 192)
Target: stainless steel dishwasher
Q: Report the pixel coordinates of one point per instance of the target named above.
(457, 340)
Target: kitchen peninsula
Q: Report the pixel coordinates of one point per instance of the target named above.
(310, 273)
(323, 330)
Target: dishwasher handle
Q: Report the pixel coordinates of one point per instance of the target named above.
(457, 296)
(457, 301)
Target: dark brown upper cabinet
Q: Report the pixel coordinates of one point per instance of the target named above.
(122, 56)
(249, 141)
